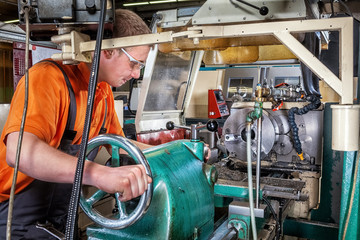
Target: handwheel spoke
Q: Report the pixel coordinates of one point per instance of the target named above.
(97, 196)
(121, 206)
(115, 158)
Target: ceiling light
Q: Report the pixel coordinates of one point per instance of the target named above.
(162, 1)
(12, 21)
(135, 4)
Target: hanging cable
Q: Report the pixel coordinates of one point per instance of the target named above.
(22, 125)
(277, 225)
(71, 223)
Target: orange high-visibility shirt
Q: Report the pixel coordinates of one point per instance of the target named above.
(47, 113)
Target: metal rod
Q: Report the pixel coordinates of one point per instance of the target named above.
(249, 4)
(250, 180)
(22, 126)
(258, 160)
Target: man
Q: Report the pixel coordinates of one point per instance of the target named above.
(45, 173)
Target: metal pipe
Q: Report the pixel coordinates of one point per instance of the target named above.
(250, 183)
(22, 126)
(258, 160)
(194, 132)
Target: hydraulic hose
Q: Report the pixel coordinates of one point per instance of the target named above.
(250, 183)
(71, 223)
(22, 125)
(314, 104)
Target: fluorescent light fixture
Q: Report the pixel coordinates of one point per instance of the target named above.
(12, 21)
(162, 1)
(135, 4)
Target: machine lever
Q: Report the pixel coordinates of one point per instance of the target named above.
(262, 10)
(211, 125)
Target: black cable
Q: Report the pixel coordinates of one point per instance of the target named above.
(277, 226)
(314, 104)
(262, 10)
(248, 4)
(71, 223)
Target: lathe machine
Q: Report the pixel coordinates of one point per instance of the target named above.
(274, 170)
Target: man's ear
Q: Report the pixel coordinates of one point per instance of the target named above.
(108, 53)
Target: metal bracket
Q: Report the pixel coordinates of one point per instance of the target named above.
(70, 46)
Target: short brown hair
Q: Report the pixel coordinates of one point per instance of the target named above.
(128, 23)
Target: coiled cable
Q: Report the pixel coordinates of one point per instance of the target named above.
(277, 226)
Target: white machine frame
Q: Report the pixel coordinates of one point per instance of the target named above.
(79, 50)
(281, 30)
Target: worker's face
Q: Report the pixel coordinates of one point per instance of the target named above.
(119, 66)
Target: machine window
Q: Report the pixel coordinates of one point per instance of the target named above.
(169, 82)
(289, 80)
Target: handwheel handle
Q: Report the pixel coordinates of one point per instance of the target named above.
(124, 220)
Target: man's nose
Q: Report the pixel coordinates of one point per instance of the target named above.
(135, 73)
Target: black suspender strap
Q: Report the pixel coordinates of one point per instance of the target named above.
(103, 129)
(69, 133)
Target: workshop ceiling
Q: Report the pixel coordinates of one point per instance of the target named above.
(146, 9)
(9, 9)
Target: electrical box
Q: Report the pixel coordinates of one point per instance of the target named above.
(217, 107)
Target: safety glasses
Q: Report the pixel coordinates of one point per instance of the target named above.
(135, 63)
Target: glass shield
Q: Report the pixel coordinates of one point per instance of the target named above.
(169, 82)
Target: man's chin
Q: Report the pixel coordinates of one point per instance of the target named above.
(125, 81)
(121, 82)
